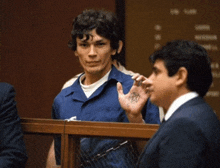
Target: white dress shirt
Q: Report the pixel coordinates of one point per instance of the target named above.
(178, 102)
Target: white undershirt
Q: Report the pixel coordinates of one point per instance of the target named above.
(90, 89)
(178, 102)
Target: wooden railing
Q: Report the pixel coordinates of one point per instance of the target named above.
(67, 130)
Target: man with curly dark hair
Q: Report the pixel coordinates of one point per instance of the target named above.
(96, 41)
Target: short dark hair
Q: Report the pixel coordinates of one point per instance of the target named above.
(105, 23)
(192, 56)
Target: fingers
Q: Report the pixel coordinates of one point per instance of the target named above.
(147, 82)
(120, 89)
(140, 80)
(134, 77)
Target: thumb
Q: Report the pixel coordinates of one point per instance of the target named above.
(120, 89)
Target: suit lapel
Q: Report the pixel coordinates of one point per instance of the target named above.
(191, 102)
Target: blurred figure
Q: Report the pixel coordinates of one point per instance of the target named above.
(12, 147)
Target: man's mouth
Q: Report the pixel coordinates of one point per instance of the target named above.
(93, 63)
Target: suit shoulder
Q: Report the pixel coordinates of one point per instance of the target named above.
(5, 88)
(4, 85)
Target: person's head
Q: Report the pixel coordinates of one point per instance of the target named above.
(95, 41)
(186, 65)
(104, 22)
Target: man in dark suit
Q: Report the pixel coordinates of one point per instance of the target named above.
(190, 134)
(12, 147)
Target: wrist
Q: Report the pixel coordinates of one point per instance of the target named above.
(135, 118)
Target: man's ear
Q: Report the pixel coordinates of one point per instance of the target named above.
(120, 45)
(182, 75)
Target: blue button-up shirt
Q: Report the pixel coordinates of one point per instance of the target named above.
(102, 105)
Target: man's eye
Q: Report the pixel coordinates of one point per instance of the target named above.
(100, 44)
(83, 45)
(155, 72)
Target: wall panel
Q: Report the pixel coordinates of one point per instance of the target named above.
(150, 24)
(35, 57)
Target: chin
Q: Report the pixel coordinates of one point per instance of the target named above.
(94, 70)
(154, 101)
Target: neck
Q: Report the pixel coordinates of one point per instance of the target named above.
(180, 93)
(92, 78)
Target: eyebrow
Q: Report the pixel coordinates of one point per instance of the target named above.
(156, 69)
(85, 40)
(101, 40)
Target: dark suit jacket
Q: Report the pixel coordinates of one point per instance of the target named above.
(12, 147)
(189, 138)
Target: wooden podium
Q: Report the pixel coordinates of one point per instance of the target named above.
(72, 131)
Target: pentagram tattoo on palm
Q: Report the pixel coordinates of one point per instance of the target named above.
(134, 97)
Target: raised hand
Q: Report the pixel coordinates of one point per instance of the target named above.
(135, 99)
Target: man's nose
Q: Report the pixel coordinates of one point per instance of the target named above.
(92, 51)
(150, 77)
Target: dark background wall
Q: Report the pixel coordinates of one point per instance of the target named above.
(35, 57)
(150, 24)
